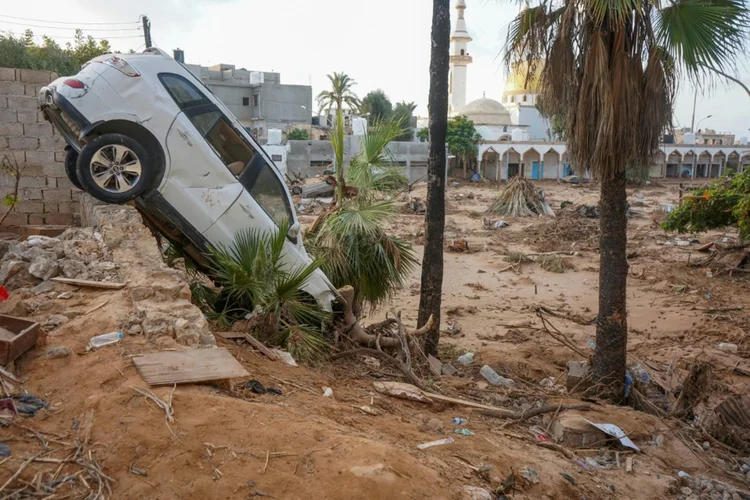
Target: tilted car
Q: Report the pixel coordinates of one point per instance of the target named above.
(142, 128)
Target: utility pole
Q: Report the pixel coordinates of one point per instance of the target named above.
(692, 122)
(147, 31)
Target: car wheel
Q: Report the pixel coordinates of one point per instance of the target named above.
(114, 168)
(71, 157)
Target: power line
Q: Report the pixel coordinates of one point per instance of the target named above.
(66, 28)
(71, 37)
(66, 22)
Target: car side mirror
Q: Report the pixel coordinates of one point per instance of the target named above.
(293, 231)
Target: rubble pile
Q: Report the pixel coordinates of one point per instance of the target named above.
(568, 231)
(78, 253)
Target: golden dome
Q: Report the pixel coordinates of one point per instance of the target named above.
(519, 81)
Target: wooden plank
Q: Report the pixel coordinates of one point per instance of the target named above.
(230, 335)
(436, 367)
(258, 345)
(470, 404)
(90, 284)
(188, 366)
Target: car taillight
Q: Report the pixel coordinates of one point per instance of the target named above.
(74, 84)
(121, 65)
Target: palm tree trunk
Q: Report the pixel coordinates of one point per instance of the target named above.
(432, 263)
(612, 327)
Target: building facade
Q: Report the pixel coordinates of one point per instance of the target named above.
(258, 98)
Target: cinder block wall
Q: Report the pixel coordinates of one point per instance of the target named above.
(46, 196)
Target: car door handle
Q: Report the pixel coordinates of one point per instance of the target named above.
(184, 136)
(248, 209)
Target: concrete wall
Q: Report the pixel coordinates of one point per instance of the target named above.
(46, 196)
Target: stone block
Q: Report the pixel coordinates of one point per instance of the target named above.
(8, 115)
(27, 117)
(7, 74)
(52, 170)
(22, 102)
(67, 207)
(11, 129)
(31, 194)
(54, 143)
(40, 117)
(12, 88)
(32, 182)
(578, 376)
(32, 90)
(59, 219)
(51, 208)
(56, 195)
(29, 207)
(37, 130)
(60, 156)
(3, 101)
(16, 219)
(40, 157)
(36, 76)
(36, 219)
(31, 171)
(572, 432)
(64, 183)
(25, 143)
(76, 195)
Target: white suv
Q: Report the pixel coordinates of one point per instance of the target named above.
(142, 128)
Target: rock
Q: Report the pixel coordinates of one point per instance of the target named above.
(72, 268)
(577, 380)
(44, 287)
(57, 351)
(65, 295)
(44, 268)
(166, 342)
(686, 491)
(5, 246)
(135, 330)
(547, 382)
(10, 268)
(572, 432)
(43, 241)
(141, 293)
(477, 493)
(706, 445)
(181, 324)
(434, 425)
(30, 254)
(55, 320)
(448, 369)
(187, 337)
(104, 266)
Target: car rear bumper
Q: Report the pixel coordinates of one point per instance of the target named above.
(64, 116)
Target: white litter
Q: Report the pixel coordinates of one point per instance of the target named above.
(614, 431)
(439, 442)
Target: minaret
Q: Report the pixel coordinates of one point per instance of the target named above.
(460, 58)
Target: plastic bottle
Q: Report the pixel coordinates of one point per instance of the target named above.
(105, 339)
(727, 347)
(459, 421)
(493, 378)
(466, 359)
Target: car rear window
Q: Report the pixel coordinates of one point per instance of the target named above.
(184, 93)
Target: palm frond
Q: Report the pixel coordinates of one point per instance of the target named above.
(373, 168)
(360, 217)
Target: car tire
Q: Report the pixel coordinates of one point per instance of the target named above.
(115, 168)
(71, 158)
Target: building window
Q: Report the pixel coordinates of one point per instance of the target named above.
(246, 101)
(276, 157)
(255, 100)
(463, 52)
(260, 131)
(318, 163)
(524, 98)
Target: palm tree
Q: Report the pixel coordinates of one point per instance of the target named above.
(609, 69)
(432, 262)
(339, 94)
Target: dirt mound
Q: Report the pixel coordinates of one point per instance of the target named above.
(568, 231)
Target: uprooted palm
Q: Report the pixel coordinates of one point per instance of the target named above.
(609, 69)
(255, 279)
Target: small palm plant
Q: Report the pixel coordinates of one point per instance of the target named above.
(374, 169)
(254, 279)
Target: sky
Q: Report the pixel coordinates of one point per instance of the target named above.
(384, 44)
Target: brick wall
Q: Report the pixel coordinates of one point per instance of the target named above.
(46, 196)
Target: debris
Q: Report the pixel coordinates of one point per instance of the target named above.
(568, 478)
(520, 198)
(28, 405)
(455, 184)
(255, 386)
(439, 442)
(571, 431)
(435, 425)
(465, 359)
(90, 284)
(463, 432)
(4, 295)
(57, 351)
(401, 391)
(477, 493)
(492, 224)
(269, 353)
(578, 376)
(459, 421)
(275, 391)
(21, 335)
(436, 366)
(105, 339)
(547, 382)
(727, 347)
(188, 366)
(459, 246)
(4, 450)
(327, 392)
(448, 369)
(493, 378)
(616, 432)
(529, 474)
(65, 295)
(285, 357)
(164, 405)
(628, 464)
